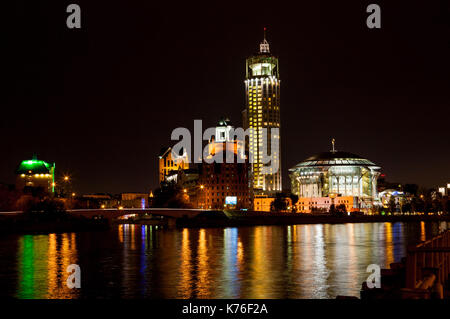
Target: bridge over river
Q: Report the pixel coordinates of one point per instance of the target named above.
(114, 213)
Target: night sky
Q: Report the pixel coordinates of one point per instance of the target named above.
(102, 100)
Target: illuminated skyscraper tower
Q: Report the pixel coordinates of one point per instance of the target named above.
(262, 88)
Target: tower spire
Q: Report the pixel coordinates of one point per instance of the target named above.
(332, 143)
(264, 46)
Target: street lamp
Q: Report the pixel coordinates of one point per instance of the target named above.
(65, 186)
(201, 197)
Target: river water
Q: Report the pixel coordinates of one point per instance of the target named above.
(143, 261)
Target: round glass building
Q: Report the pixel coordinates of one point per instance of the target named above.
(335, 173)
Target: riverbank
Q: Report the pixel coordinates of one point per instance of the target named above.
(38, 223)
(236, 219)
(27, 224)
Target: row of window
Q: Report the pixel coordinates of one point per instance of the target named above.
(228, 194)
(239, 186)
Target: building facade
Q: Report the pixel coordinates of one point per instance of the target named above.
(323, 204)
(168, 163)
(262, 91)
(224, 183)
(263, 203)
(134, 200)
(331, 175)
(36, 173)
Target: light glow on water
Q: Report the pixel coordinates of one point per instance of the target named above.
(136, 261)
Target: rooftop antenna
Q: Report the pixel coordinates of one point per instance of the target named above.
(264, 46)
(332, 143)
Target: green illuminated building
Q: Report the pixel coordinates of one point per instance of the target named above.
(262, 88)
(36, 173)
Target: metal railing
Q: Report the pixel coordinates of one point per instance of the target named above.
(428, 263)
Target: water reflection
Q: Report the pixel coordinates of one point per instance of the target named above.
(42, 261)
(185, 267)
(144, 261)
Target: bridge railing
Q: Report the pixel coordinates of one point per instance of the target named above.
(428, 263)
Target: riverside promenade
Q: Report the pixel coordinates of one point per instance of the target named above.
(234, 219)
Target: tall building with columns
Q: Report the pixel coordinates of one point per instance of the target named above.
(262, 90)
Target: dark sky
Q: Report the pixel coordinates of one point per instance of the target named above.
(101, 101)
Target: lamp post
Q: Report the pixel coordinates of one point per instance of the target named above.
(66, 186)
(400, 201)
(202, 196)
(332, 196)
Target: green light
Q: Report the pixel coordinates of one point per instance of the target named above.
(26, 261)
(53, 178)
(35, 166)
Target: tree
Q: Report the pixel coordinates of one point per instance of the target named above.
(332, 209)
(446, 206)
(294, 200)
(342, 208)
(437, 205)
(47, 205)
(279, 203)
(407, 207)
(428, 206)
(392, 205)
(411, 189)
(417, 205)
(8, 198)
(170, 195)
(339, 210)
(47, 209)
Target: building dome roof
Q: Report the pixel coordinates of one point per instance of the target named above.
(332, 155)
(334, 158)
(34, 166)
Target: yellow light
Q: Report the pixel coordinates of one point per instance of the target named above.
(201, 186)
(73, 194)
(23, 175)
(120, 207)
(66, 178)
(103, 206)
(185, 190)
